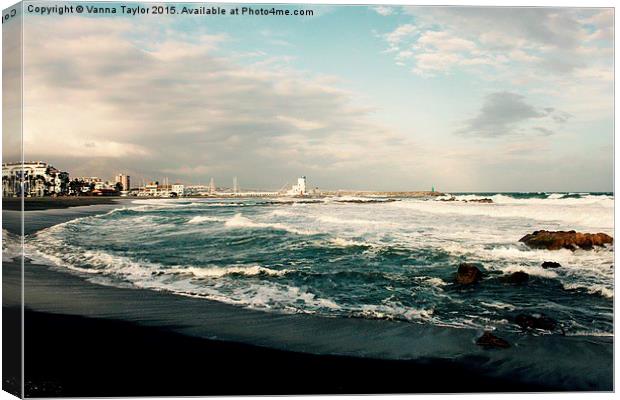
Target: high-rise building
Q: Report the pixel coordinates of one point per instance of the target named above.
(124, 180)
(235, 185)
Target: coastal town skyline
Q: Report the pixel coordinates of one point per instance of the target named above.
(424, 98)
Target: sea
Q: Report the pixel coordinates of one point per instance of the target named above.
(352, 257)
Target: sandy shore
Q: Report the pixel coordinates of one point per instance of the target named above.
(83, 338)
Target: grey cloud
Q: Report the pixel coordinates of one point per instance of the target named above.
(500, 115)
(560, 116)
(543, 131)
(547, 26)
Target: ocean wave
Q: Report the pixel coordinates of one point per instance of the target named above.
(263, 296)
(340, 242)
(204, 218)
(600, 290)
(498, 305)
(217, 272)
(530, 270)
(530, 197)
(365, 261)
(11, 246)
(590, 333)
(391, 312)
(239, 221)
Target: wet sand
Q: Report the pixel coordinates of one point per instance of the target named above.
(83, 339)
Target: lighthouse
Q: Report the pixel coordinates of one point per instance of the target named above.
(301, 185)
(299, 189)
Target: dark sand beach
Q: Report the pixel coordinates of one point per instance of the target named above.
(47, 203)
(87, 339)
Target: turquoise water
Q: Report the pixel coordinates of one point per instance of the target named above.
(353, 257)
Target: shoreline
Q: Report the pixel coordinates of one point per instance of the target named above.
(49, 202)
(56, 295)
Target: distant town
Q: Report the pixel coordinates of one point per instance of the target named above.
(41, 179)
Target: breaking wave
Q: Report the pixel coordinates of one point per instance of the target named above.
(393, 260)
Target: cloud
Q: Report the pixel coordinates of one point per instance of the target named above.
(400, 34)
(543, 131)
(540, 43)
(301, 124)
(504, 113)
(179, 105)
(383, 10)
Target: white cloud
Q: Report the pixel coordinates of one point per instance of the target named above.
(383, 10)
(400, 34)
(534, 41)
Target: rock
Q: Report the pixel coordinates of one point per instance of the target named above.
(551, 264)
(516, 277)
(540, 321)
(488, 340)
(486, 201)
(571, 240)
(468, 274)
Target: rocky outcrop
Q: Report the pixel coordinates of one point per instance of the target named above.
(555, 240)
(488, 340)
(486, 201)
(518, 277)
(468, 274)
(550, 264)
(539, 321)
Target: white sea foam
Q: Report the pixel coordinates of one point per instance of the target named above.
(533, 271)
(438, 282)
(347, 243)
(392, 311)
(592, 289)
(203, 218)
(592, 213)
(498, 305)
(217, 272)
(239, 221)
(11, 246)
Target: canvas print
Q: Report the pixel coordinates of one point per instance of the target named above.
(248, 199)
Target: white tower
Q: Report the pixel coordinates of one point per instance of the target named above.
(212, 186)
(301, 185)
(235, 185)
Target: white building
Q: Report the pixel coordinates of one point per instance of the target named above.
(299, 189)
(39, 179)
(178, 189)
(154, 189)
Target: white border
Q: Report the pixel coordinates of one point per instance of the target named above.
(554, 3)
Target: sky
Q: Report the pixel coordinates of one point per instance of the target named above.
(353, 97)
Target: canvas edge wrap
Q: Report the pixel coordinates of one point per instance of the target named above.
(12, 127)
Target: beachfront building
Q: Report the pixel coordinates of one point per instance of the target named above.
(124, 180)
(39, 179)
(154, 189)
(178, 189)
(197, 190)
